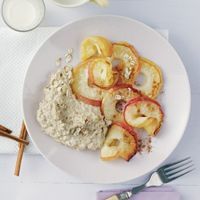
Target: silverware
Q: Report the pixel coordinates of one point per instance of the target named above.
(164, 174)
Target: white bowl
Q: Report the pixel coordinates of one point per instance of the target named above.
(175, 99)
(70, 3)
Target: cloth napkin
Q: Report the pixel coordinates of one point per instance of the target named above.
(157, 193)
(16, 52)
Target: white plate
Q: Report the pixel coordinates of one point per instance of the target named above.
(175, 100)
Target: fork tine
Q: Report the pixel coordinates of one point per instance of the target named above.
(175, 177)
(177, 165)
(182, 168)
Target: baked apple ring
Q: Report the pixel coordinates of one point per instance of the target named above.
(149, 80)
(101, 73)
(128, 61)
(143, 112)
(80, 87)
(121, 142)
(95, 46)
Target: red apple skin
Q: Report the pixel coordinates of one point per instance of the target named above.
(125, 126)
(143, 98)
(124, 85)
(131, 131)
(91, 102)
(119, 86)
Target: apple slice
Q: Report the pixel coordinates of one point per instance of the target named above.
(84, 92)
(129, 63)
(144, 112)
(121, 141)
(115, 99)
(101, 73)
(95, 46)
(149, 81)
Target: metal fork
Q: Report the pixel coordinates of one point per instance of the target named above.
(164, 174)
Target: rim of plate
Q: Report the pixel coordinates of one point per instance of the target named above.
(187, 83)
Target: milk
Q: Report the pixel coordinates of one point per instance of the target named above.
(23, 15)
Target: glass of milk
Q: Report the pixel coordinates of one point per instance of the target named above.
(23, 15)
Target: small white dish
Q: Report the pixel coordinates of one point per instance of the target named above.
(70, 3)
(175, 99)
(23, 15)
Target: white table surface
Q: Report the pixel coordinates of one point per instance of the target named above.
(40, 180)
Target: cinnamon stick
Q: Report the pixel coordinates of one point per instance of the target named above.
(3, 128)
(22, 132)
(23, 135)
(5, 134)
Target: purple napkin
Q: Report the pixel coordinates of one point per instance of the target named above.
(157, 193)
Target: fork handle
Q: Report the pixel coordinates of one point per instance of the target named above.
(137, 189)
(128, 194)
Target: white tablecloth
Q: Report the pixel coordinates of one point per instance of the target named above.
(16, 52)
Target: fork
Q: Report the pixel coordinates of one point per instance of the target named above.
(164, 174)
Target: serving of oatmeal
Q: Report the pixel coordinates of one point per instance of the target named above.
(68, 120)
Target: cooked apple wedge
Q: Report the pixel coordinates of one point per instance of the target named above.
(115, 99)
(120, 141)
(145, 113)
(80, 87)
(95, 46)
(129, 62)
(149, 81)
(101, 73)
